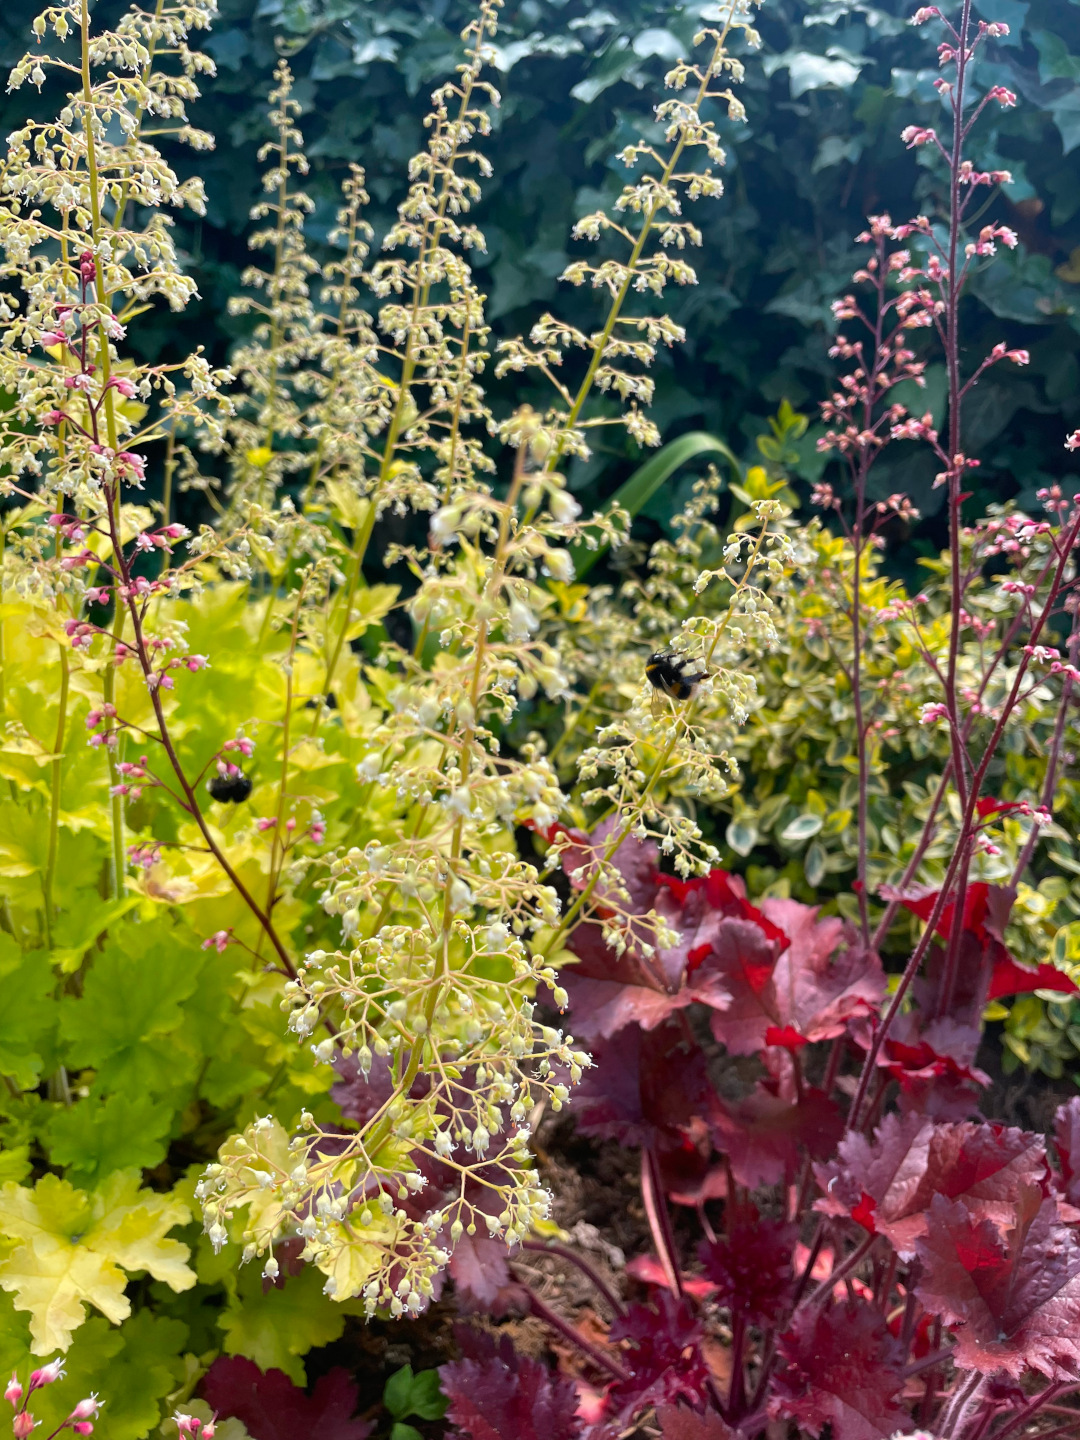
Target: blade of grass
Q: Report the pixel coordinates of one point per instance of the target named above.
(647, 480)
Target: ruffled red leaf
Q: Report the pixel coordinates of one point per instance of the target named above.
(273, 1408)
(912, 1159)
(664, 1359)
(985, 915)
(1067, 1140)
(766, 1135)
(644, 1088)
(1013, 1301)
(841, 1369)
(679, 1423)
(825, 978)
(501, 1395)
(751, 1268)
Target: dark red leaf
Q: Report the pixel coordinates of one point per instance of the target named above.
(724, 894)
(273, 1408)
(752, 1267)
(825, 977)
(664, 1359)
(841, 1369)
(644, 1088)
(1009, 978)
(765, 1135)
(912, 1159)
(679, 1423)
(1067, 1140)
(1012, 1302)
(506, 1396)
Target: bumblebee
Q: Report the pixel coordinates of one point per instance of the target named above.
(667, 672)
(230, 789)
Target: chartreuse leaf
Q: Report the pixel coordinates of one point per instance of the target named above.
(647, 480)
(28, 1013)
(131, 997)
(72, 1249)
(132, 1368)
(277, 1324)
(95, 1137)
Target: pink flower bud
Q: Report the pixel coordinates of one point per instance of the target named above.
(53, 417)
(123, 385)
(23, 1425)
(47, 1374)
(14, 1390)
(83, 1427)
(52, 337)
(210, 1427)
(86, 1409)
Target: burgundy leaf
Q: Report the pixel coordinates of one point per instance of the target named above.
(825, 977)
(646, 983)
(1012, 1302)
(644, 1088)
(752, 1267)
(765, 1135)
(841, 1370)
(744, 962)
(1067, 1140)
(679, 1423)
(985, 915)
(933, 1085)
(721, 894)
(506, 1396)
(360, 1097)
(665, 1360)
(273, 1408)
(912, 1159)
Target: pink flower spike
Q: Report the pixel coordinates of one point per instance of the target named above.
(927, 12)
(196, 662)
(210, 1427)
(1019, 357)
(930, 714)
(187, 1424)
(177, 532)
(14, 1390)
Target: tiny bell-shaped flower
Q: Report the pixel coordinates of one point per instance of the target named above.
(23, 1425)
(14, 1391)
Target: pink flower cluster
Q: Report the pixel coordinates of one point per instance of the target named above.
(80, 1420)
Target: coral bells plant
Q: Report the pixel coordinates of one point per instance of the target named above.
(301, 874)
(873, 1254)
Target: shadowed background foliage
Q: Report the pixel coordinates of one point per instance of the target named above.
(835, 84)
